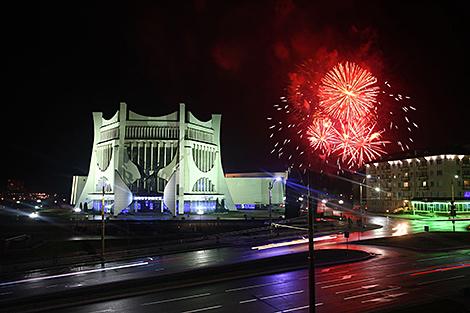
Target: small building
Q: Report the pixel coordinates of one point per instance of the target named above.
(427, 182)
(257, 190)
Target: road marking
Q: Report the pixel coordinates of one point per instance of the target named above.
(6, 293)
(249, 300)
(298, 308)
(103, 311)
(72, 274)
(334, 280)
(272, 296)
(282, 294)
(371, 293)
(386, 298)
(203, 309)
(52, 286)
(327, 274)
(439, 280)
(354, 289)
(436, 258)
(177, 299)
(349, 282)
(253, 286)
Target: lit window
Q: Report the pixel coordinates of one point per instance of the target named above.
(405, 184)
(406, 174)
(425, 183)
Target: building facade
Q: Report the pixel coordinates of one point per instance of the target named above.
(166, 164)
(427, 183)
(257, 190)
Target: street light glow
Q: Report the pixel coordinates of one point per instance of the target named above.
(456, 176)
(33, 215)
(368, 176)
(325, 201)
(340, 201)
(377, 189)
(77, 210)
(278, 178)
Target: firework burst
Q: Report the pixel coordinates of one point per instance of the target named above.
(341, 113)
(348, 92)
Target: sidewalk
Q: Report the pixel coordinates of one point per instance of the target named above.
(427, 241)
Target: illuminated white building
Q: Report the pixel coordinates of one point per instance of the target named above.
(137, 161)
(426, 183)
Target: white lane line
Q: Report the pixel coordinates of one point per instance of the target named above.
(439, 280)
(272, 296)
(203, 309)
(386, 298)
(177, 299)
(103, 311)
(52, 286)
(282, 294)
(298, 308)
(348, 283)
(354, 289)
(6, 293)
(334, 280)
(371, 293)
(72, 274)
(436, 258)
(253, 286)
(247, 301)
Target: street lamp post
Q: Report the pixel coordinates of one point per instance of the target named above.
(270, 194)
(311, 261)
(102, 228)
(453, 212)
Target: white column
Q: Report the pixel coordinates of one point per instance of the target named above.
(152, 165)
(145, 163)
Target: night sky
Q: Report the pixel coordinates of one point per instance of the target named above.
(230, 57)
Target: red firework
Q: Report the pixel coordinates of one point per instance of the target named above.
(358, 142)
(347, 92)
(321, 134)
(346, 125)
(340, 110)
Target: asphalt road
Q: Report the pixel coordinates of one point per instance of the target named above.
(42, 282)
(393, 278)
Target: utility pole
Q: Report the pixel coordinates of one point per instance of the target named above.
(360, 210)
(453, 211)
(102, 228)
(270, 194)
(311, 261)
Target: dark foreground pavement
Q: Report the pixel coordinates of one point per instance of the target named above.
(394, 281)
(134, 287)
